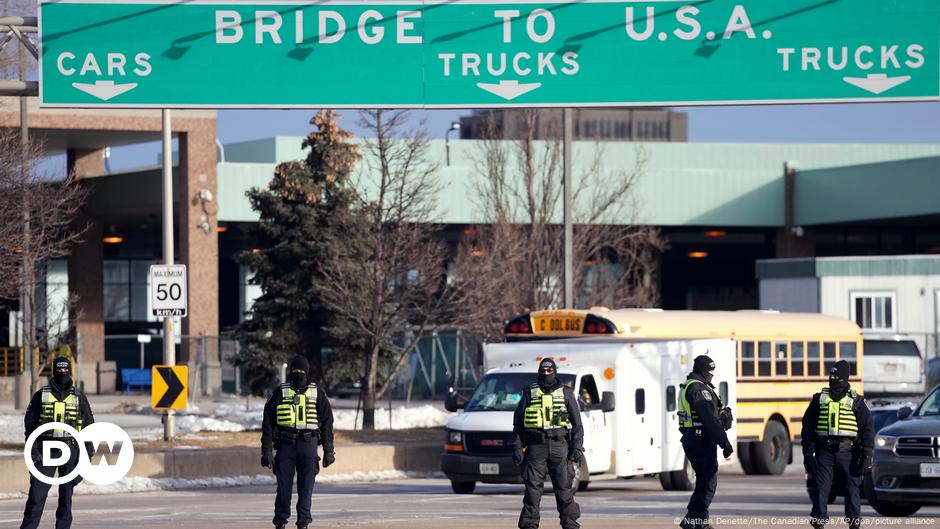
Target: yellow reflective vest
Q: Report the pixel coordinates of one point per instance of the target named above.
(298, 410)
(65, 411)
(837, 418)
(546, 411)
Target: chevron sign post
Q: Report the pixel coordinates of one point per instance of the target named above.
(486, 53)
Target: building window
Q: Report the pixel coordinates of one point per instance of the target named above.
(874, 311)
(126, 291)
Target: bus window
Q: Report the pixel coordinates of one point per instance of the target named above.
(829, 357)
(671, 398)
(640, 401)
(812, 354)
(780, 358)
(723, 393)
(847, 353)
(796, 364)
(747, 359)
(763, 359)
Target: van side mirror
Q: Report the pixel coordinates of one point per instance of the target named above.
(608, 402)
(904, 413)
(453, 401)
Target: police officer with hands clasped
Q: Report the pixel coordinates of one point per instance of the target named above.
(61, 402)
(838, 436)
(297, 418)
(703, 420)
(547, 424)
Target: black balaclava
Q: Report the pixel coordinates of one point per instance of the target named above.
(839, 379)
(298, 380)
(62, 380)
(547, 381)
(704, 366)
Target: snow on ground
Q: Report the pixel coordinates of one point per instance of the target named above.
(140, 484)
(426, 416)
(141, 424)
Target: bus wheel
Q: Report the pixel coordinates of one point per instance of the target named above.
(683, 479)
(772, 454)
(746, 458)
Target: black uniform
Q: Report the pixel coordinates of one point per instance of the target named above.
(38, 491)
(296, 453)
(549, 452)
(701, 445)
(823, 455)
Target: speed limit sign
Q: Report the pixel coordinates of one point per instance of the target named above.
(168, 290)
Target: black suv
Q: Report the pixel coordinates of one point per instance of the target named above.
(906, 468)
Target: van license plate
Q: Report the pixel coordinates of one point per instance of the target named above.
(930, 470)
(489, 468)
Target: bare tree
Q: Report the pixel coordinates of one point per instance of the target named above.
(515, 259)
(384, 274)
(37, 225)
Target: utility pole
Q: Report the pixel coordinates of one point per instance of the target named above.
(27, 267)
(169, 345)
(566, 198)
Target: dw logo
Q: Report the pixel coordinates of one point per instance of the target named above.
(105, 453)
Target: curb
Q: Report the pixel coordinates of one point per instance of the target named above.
(194, 464)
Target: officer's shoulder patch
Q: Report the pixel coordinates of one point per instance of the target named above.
(707, 395)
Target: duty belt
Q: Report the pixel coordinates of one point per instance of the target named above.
(540, 436)
(836, 443)
(296, 435)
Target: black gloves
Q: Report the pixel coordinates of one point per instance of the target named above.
(267, 460)
(517, 455)
(726, 418)
(727, 451)
(809, 463)
(328, 458)
(860, 464)
(575, 455)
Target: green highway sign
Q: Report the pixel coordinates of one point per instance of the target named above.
(485, 53)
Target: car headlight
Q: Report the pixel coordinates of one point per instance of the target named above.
(454, 437)
(885, 442)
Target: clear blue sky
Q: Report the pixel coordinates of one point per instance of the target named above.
(848, 123)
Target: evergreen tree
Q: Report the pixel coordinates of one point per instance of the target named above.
(296, 211)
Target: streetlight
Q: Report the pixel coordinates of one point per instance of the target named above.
(454, 125)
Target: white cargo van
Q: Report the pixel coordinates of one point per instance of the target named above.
(893, 366)
(627, 389)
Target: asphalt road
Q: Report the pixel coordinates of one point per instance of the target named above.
(742, 501)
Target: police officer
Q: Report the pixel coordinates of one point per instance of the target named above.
(59, 401)
(703, 420)
(547, 423)
(297, 417)
(838, 436)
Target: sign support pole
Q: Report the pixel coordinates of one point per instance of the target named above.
(169, 346)
(569, 232)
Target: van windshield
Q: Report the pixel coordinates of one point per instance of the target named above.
(503, 391)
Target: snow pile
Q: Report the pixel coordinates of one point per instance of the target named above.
(426, 416)
(238, 417)
(11, 429)
(247, 416)
(197, 423)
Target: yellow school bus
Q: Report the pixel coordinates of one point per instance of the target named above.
(783, 358)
